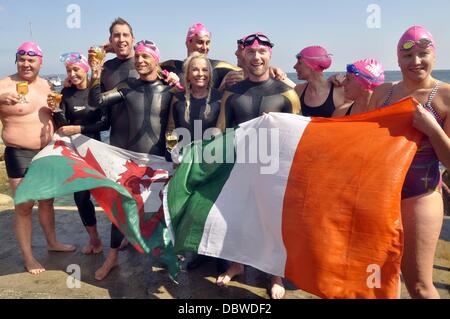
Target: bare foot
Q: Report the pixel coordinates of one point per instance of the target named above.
(124, 244)
(61, 248)
(34, 267)
(235, 269)
(277, 290)
(90, 249)
(110, 263)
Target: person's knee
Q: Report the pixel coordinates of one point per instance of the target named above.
(47, 203)
(24, 209)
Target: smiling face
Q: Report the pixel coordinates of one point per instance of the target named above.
(122, 41)
(76, 75)
(416, 64)
(145, 64)
(257, 62)
(198, 44)
(28, 67)
(199, 74)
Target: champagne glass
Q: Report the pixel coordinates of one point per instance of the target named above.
(171, 140)
(22, 90)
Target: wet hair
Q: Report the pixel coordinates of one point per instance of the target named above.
(120, 21)
(187, 94)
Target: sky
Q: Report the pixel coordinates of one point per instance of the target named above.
(350, 30)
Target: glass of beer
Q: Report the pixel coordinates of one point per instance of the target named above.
(171, 140)
(22, 90)
(100, 54)
(57, 98)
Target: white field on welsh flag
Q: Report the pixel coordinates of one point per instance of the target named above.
(328, 219)
(127, 185)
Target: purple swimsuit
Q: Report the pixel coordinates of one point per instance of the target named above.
(423, 176)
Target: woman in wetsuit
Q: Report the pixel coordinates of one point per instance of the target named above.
(318, 96)
(196, 110)
(361, 79)
(75, 116)
(422, 204)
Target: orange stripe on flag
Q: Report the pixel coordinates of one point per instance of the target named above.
(341, 214)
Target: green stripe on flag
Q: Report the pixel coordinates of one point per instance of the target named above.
(195, 187)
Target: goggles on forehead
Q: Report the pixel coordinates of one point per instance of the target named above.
(351, 68)
(146, 43)
(261, 38)
(73, 57)
(29, 53)
(422, 43)
(300, 56)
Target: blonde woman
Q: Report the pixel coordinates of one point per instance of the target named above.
(197, 109)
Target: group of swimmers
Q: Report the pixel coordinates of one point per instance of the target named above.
(132, 96)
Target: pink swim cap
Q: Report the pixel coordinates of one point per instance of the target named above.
(199, 30)
(416, 36)
(30, 49)
(77, 59)
(316, 57)
(148, 47)
(369, 73)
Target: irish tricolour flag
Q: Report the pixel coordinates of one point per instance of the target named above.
(127, 185)
(324, 212)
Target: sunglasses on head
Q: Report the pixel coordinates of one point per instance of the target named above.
(351, 68)
(29, 53)
(261, 38)
(146, 43)
(422, 43)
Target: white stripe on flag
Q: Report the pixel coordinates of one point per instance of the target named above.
(235, 229)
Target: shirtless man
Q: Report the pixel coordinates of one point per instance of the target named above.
(27, 128)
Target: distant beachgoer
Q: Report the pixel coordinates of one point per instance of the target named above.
(422, 205)
(319, 97)
(27, 129)
(250, 99)
(75, 116)
(361, 79)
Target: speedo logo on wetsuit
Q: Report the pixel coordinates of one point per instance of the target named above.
(79, 108)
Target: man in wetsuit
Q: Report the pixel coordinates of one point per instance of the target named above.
(28, 128)
(147, 104)
(249, 99)
(198, 39)
(115, 71)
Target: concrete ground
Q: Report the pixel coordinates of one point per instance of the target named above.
(135, 277)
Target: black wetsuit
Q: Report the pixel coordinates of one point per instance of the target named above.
(76, 111)
(247, 100)
(220, 70)
(199, 110)
(116, 71)
(325, 110)
(147, 104)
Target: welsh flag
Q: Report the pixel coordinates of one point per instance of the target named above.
(127, 185)
(325, 213)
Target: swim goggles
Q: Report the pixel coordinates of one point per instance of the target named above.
(73, 57)
(29, 53)
(146, 43)
(320, 57)
(261, 38)
(351, 68)
(422, 43)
